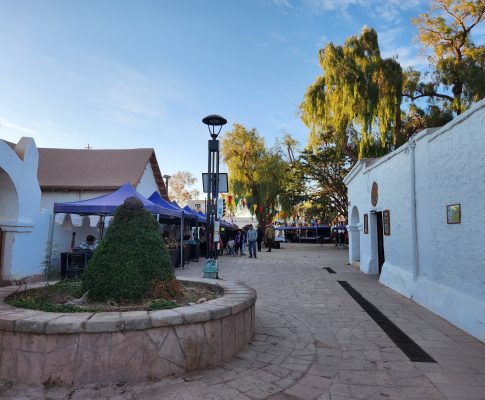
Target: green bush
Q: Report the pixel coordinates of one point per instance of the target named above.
(129, 258)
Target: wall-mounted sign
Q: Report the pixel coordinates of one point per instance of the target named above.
(453, 214)
(366, 223)
(374, 194)
(386, 222)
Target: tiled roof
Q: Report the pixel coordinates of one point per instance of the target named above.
(69, 169)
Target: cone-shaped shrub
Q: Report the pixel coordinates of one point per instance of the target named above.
(129, 258)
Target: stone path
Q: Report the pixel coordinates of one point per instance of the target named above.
(314, 341)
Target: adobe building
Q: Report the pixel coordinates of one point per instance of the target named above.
(32, 180)
(416, 217)
(24, 226)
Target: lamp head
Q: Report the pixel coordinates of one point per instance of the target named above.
(212, 122)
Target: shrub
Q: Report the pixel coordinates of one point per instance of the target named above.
(129, 258)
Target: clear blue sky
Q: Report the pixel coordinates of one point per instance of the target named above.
(122, 74)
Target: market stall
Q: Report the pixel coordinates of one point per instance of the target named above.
(74, 261)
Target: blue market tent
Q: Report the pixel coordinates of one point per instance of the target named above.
(295, 228)
(198, 217)
(108, 203)
(159, 200)
(204, 217)
(187, 215)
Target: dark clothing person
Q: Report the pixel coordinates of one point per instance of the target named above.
(238, 241)
(260, 238)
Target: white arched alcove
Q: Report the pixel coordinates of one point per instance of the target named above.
(354, 229)
(9, 210)
(9, 201)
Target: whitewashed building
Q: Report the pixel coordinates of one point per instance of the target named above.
(24, 226)
(416, 217)
(32, 180)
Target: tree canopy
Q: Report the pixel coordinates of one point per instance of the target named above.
(457, 77)
(256, 172)
(179, 187)
(355, 104)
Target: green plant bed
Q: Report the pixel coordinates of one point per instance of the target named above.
(53, 298)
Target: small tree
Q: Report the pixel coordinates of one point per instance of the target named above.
(130, 257)
(179, 187)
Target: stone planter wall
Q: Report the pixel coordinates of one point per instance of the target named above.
(81, 348)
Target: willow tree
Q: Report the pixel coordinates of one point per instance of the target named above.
(355, 103)
(256, 172)
(457, 77)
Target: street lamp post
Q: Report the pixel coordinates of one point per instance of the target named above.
(214, 123)
(166, 177)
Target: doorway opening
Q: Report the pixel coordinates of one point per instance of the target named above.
(380, 241)
(354, 235)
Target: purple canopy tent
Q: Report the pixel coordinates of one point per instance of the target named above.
(197, 216)
(159, 200)
(105, 205)
(108, 203)
(204, 217)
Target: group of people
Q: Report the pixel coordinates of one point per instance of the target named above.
(248, 239)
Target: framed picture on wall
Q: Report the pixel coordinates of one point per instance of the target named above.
(366, 223)
(386, 222)
(453, 214)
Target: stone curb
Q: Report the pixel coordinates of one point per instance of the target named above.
(235, 298)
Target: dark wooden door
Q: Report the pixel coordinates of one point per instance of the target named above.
(380, 241)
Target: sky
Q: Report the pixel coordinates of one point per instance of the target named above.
(143, 73)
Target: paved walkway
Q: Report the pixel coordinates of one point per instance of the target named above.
(313, 341)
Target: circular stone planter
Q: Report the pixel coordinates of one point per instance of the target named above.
(110, 347)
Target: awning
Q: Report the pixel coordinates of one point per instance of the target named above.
(107, 204)
(172, 211)
(196, 215)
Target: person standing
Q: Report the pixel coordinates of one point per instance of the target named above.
(238, 241)
(260, 237)
(252, 236)
(244, 241)
(269, 236)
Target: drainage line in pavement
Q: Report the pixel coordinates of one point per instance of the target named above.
(408, 346)
(329, 270)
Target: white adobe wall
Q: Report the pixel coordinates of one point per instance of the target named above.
(451, 167)
(26, 230)
(147, 184)
(392, 174)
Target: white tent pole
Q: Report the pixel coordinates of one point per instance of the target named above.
(182, 241)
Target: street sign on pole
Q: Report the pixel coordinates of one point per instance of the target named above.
(220, 207)
(216, 232)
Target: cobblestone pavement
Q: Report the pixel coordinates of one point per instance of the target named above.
(313, 341)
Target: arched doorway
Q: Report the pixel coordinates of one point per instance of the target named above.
(9, 210)
(354, 236)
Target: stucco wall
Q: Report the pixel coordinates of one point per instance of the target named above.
(449, 169)
(393, 195)
(147, 184)
(25, 225)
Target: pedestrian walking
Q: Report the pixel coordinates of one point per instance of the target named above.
(260, 237)
(238, 240)
(269, 236)
(252, 237)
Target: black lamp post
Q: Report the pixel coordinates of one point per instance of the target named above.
(166, 177)
(214, 123)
